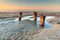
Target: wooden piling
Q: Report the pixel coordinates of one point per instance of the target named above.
(19, 16)
(35, 16)
(42, 20)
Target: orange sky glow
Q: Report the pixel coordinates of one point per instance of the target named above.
(4, 6)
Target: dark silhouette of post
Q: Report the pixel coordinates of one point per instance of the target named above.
(19, 16)
(35, 16)
(42, 20)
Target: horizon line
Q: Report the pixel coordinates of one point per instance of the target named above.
(29, 10)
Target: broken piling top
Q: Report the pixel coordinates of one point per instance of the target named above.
(42, 20)
(35, 16)
(19, 16)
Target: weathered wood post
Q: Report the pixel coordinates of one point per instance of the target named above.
(35, 16)
(42, 20)
(19, 16)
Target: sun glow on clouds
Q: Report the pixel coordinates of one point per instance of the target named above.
(24, 5)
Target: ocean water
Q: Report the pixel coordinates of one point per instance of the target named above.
(46, 25)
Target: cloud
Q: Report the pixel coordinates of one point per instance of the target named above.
(30, 4)
(32, 1)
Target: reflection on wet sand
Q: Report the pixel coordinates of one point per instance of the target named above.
(54, 25)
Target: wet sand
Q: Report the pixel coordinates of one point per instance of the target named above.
(27, 30)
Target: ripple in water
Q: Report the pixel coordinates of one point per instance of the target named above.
(47, 24)
(10, 32)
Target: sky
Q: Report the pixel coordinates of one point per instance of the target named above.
(29, 4)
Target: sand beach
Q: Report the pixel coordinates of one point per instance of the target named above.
(12, 29)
